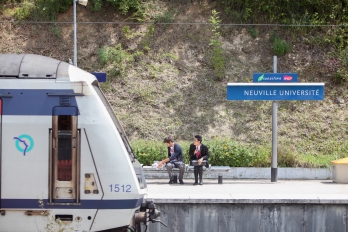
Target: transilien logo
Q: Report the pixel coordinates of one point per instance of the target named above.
(261, 78)
(24, 143)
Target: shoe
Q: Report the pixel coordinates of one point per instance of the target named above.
(170, 182)
(201, 182)
(181, 182)
(195, 183)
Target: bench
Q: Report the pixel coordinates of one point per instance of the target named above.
(212, 172)
(161, 173)
(219, 170)
(191, 168)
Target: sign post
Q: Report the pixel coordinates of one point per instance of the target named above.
(274, 166)
(284, 89)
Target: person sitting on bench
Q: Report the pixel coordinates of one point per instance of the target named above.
(175, 159)
(198, 152)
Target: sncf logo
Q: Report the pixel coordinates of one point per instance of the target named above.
(287, 78)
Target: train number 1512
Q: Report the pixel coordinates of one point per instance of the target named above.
(120, 188)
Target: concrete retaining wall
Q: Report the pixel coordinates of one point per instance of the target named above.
(249, 173)
(251, 217)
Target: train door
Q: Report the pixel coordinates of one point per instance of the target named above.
(64, 156)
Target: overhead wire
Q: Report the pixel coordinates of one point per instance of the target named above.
(177, 23)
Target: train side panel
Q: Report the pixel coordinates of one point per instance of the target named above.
(62, 144)
(25, 173)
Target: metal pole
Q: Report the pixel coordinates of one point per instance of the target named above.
(274, 168)
(75, 48)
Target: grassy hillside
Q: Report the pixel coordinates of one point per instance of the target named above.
(168, 63)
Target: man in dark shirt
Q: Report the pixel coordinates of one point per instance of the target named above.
(175, 159)
(199, 152)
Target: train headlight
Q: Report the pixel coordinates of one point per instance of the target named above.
(140, 174)
(141, 181)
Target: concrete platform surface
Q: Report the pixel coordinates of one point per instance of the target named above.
(249, 191)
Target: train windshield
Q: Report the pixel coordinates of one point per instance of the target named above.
(117, 123)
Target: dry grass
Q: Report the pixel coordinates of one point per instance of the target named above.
(171, 88)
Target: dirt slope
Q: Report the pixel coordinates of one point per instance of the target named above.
(170, 87)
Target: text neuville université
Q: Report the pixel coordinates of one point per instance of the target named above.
(282, 92)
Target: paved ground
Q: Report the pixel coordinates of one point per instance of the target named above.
(249, 191)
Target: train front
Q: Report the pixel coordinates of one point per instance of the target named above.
(122, 179)
(64, 155)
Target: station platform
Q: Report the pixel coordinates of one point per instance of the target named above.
(243, 191)
(249, 205)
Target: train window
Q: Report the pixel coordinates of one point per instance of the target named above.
(64, 148)
(116, 122)
(64, 156)
(64, 122)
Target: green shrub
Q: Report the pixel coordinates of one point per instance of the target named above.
(341, 72)
(148, 37)
(55, 30)
(123, 5)
(127, 32)
(253, 32)
(47, 10)
(148, 151)
(166, 17)
(24, 10)
(127, 5)
(223, 152)
(217, 57)
(273, 36)
(117, 59)
(262, 157)
(287, 157)
(286, 11)
(41, 10)
(113, 54)
(226, 152)
(95, 5)
(281, 47)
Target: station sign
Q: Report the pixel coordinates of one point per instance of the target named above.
(275, 77)
(275, 91)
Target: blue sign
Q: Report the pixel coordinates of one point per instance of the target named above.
(275, 91)
(275, 77)
(100, 76)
